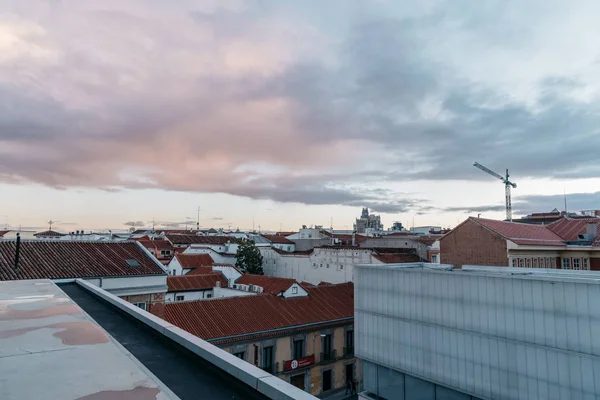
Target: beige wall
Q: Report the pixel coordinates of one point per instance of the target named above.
(283, 352)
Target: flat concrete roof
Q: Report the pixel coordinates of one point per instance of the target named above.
(544, 274)
(51, 349)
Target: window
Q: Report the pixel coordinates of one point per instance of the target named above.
(289, 248)
(535, 263)
(298, 349)
(566, 263)
(515, 262)
(521, 262)
(267, 359)
(327, 265)
(327, 354)
(240, 355)
(341, 267)
(576, 263)
(165, 252)
(321, 265)
(528, 263)
(349, 349)
(208, 296)
(141, 305)
(326, 380)
(179, 298)
(585, 264)
(174, 272)
(295, 290)
(434, 259)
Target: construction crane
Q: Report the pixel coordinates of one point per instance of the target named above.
(507, 186)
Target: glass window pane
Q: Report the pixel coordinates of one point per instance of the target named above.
(443, 393)
(417, 389)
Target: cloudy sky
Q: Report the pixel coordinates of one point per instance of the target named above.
(287, 113)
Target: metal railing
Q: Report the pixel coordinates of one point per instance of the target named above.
(330, 356)
(272, 369)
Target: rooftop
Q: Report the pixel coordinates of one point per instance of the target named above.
(41, 259)
(270, 284)
(46, 340)
(189, 261)
(554, 234)
(106, 348)
(195, 282)
(195, 239)
(238, 318)
(522, 234)
(49, 233)
(277, 239)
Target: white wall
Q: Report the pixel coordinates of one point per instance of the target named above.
(174, 267)
(189, 295)
(121, 286)
(324, 265)
(295, 291)
(12, 235)
(225, 292)
(492, 335)
(218, 258)
(230, 273)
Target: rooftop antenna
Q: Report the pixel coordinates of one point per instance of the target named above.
(6, 222)
(253, 223)
(198, 220)
(565, 194)
(152, 224)
(331, 223)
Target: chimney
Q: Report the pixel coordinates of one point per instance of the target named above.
(591, 231)
(17, 252)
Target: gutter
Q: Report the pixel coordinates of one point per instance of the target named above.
(332, 321)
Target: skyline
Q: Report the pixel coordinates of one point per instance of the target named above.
(293, 114)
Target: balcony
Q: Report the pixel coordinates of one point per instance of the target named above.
(328, 357)
(272, 369)
(349, 351)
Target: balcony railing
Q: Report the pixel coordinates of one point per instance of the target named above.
(272, 369)
(349, 351)
(330, 356)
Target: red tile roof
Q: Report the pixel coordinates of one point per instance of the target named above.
(65, 259)
(270, 284)
(245, 316)
(568, 228)
(2, 233)
(194, 239)
(397, 258)
(200, 271)
(522, 234)
(157, 244)
(428, 240)
(285, 233)
(194, 260)
(277, 239)
(49, 233)
(195, 282)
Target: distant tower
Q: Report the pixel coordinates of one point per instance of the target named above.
(50, 225)
(198, 220)
(365, 213)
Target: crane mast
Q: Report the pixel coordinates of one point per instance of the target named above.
(508, 185)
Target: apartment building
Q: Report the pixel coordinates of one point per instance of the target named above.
(333, 264)
(303, 334)
(569, 243)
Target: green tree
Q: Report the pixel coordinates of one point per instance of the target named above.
(248, 258)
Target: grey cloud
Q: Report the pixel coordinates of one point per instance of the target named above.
(134, 223)
(385, 87)
(476, 209)
(544, 203)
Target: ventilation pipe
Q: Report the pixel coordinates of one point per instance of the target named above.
(17, 252)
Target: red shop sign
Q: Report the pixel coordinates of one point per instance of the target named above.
(299, 363)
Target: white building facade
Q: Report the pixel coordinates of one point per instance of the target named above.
(429, 332)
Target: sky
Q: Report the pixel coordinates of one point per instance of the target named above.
(274, 114)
